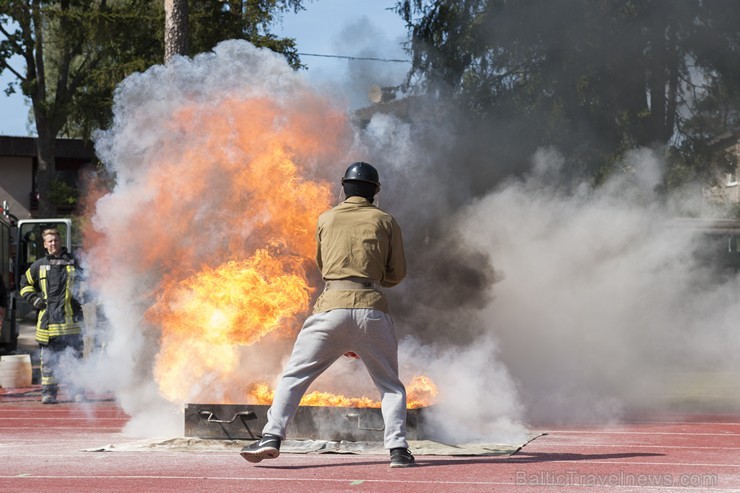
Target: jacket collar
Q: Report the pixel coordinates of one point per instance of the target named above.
(62, 254)
(356, 199)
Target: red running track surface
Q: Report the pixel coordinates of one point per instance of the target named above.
(42, 449)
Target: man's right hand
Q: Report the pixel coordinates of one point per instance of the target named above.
(39, 304)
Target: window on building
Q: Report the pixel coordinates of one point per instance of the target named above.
(731, 179)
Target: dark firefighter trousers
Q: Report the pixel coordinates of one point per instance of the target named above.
(60, 349)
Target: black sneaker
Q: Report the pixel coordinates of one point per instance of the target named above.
(401, 457)
(268, 447)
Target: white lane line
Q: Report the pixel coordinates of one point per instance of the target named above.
(561, 433)
(623, 446)
(525, 484)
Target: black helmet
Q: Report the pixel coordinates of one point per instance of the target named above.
(360, 171)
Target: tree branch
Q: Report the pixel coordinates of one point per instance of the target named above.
(4, 64)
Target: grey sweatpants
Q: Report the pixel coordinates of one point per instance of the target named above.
(323, 339)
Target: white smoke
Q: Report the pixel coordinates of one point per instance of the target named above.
(532, 302)
(603, 304)
(133, 259)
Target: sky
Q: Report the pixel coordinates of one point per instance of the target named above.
(355, 28)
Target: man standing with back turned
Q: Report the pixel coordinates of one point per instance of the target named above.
(359, 249)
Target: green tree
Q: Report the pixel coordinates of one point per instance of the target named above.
(76, 51)
(593, 78)
(251, 20)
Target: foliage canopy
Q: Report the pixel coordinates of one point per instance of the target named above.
(593, 78)
(68, 56)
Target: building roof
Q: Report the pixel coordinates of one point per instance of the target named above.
(65, 148)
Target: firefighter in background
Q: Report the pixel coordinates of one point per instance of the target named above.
(359, 249)
(48, 286)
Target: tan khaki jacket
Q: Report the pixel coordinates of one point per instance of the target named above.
(355, 239)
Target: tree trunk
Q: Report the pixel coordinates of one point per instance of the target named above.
(175, 28)
(46, 140)
(673, 85)
(46, 170)
(658, 81)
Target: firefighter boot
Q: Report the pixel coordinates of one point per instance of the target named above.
(49, 394)
(48, 398)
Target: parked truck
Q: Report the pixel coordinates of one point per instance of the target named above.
(21, 244)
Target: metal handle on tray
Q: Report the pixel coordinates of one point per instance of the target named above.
(210, 416)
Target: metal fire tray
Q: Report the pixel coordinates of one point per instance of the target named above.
(245, 421)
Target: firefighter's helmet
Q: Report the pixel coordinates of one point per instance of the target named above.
(364, 172)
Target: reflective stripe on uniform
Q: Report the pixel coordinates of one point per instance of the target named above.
(68, 314)
(45, 330)
(28, 289)
(42, 333)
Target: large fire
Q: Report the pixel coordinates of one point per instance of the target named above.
(420, 392)
(232, 195)
(206, 317)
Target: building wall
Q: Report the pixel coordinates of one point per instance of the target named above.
(16, 182)
(725, 188)
(18, 166)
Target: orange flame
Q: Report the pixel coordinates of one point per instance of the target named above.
(206, 317)
(219, 222)
(264, 210)
(421, 392)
